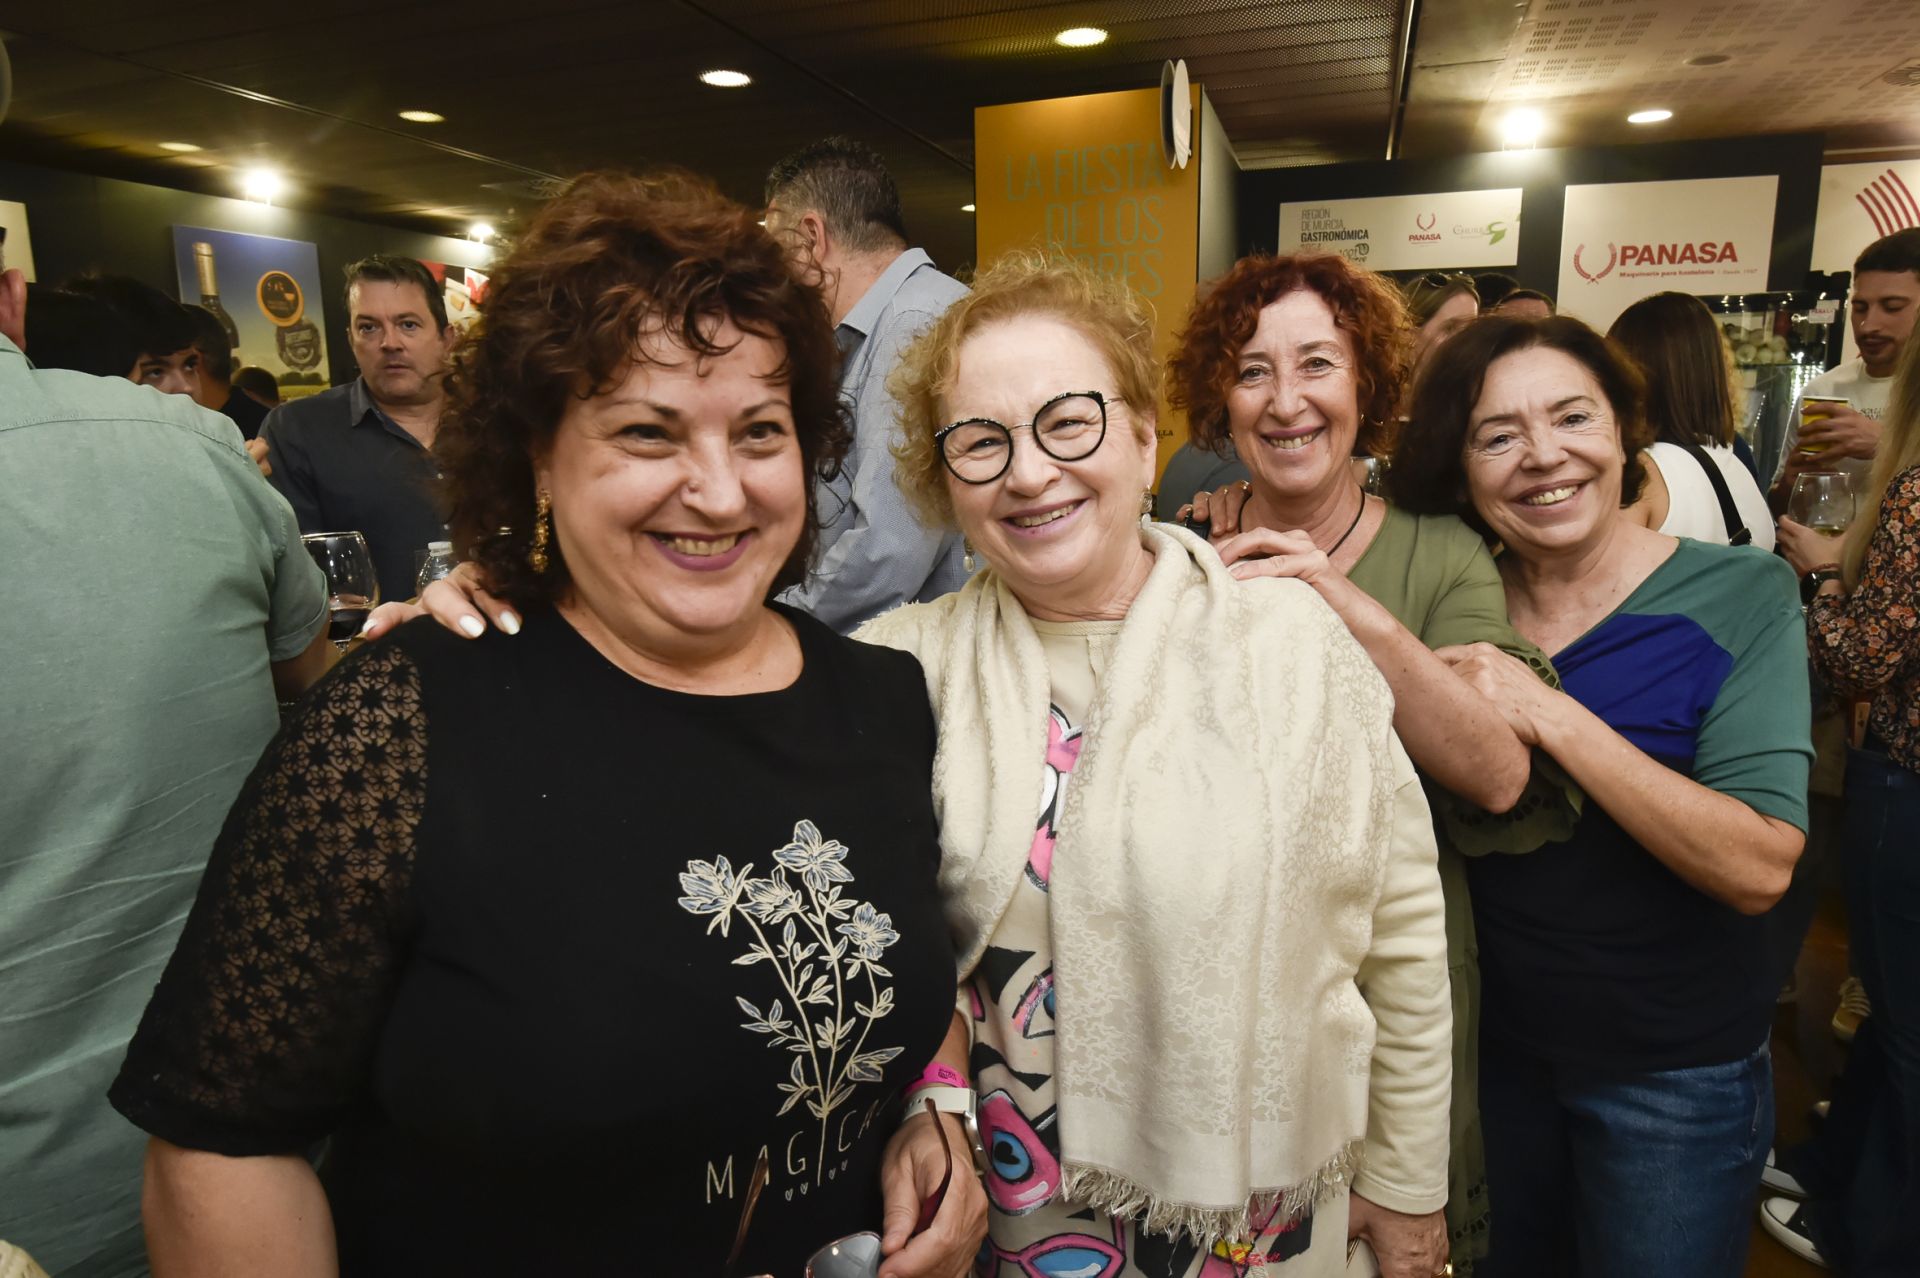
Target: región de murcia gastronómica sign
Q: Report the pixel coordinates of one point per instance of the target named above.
(1451, 229)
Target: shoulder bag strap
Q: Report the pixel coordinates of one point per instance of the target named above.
(1738, 534)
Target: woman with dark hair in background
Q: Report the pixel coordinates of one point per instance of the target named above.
(1625, 1078)
(550, 938)
(1697, 486)
(79, 333)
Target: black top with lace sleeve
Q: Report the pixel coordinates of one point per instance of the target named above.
(548, 955)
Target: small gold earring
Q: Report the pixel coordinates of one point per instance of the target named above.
(966, 557)
(542, 509)
(1146, 505)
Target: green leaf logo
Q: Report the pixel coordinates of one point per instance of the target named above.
(1497, 231)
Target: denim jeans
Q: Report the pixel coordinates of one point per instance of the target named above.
(1599, 1173)
(1864, 1168)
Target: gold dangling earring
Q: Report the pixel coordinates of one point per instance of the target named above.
(1146, 506)
(966, 557)
(542, 508)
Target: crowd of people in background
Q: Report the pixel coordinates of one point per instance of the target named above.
(843, 817)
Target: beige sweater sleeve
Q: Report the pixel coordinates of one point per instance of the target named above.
(1404, 980)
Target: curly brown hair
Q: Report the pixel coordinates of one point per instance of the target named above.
(1429, 472)
(613, 256)
(1366, 307)
(1023, 282)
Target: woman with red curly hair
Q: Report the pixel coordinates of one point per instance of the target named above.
(1301, 362)
(570, 945)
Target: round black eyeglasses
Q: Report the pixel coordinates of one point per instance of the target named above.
(1067, 428)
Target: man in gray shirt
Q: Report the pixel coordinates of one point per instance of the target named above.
(837, 209)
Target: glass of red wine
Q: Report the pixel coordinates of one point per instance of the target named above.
(352, 589)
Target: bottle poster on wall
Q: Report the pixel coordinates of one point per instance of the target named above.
(266, 292)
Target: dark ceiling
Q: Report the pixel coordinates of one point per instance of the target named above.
(536, 91)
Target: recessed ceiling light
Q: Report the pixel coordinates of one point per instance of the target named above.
(966, 208)
(179, 148)
(726, 79)
(1522, 127)
(1709, 60)
(1081, 37)
(423, 117)
(482, 231)
(1653, 115)
(261, 184)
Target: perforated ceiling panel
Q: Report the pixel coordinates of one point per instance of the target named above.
(1722, 68)
(537, 89)
(561, 85)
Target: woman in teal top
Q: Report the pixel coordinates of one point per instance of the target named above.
(1300, 361)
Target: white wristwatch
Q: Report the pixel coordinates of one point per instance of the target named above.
(953, 1100)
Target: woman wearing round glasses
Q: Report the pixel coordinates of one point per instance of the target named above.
(1206, 966)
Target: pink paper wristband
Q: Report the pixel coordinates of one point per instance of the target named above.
(937, 1075)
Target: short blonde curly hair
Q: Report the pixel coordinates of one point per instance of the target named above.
(1027, 282)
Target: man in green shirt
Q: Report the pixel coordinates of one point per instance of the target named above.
(157, 599)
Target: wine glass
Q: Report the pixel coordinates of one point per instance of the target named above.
(352, 589)
(1822, 500)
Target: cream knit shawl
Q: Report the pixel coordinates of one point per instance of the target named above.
(1221, 853)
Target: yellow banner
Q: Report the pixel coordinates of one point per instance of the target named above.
(1087, 176)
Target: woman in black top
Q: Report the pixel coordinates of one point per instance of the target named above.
(551, 939)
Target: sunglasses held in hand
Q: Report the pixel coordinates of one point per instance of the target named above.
(857, 1255)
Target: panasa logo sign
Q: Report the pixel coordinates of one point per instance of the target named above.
(1426, 234)
(1705, 253)
(1594, 277)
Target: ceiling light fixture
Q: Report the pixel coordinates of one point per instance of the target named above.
(1081, 37)
(423, 117)
(1521, 128)
(179, 148)
(726, 79)
(262, 185)
(966, 208)
(1652, 115)
(482, 231)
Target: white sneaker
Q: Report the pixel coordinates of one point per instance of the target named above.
(1780, 1182)
(1781, 1218)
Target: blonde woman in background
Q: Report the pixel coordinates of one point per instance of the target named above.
(1863, 627)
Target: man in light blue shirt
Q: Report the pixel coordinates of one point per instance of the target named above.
(157, 598)
(837, 208)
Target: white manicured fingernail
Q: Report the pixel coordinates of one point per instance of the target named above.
(366, 625)
(510, 623)
(473, 626)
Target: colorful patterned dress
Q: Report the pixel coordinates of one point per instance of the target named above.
(1032, 1231)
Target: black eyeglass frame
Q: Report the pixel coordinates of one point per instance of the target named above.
(940, 436)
